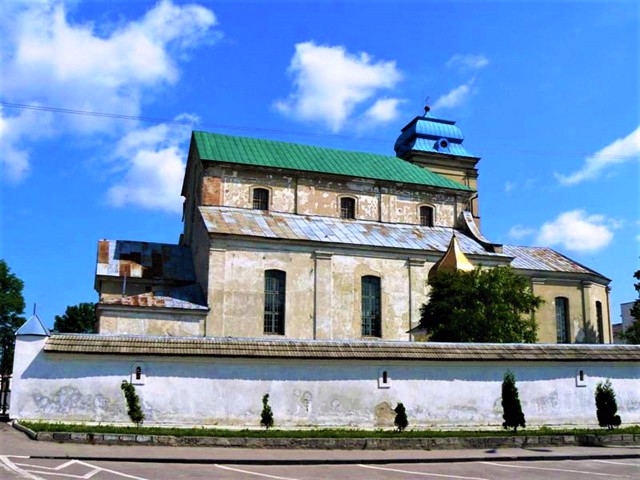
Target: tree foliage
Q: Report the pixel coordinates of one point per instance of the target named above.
(401, 422)
(79, 318)
(133, 403)
(266, 416)
(632, 334)
(512, 410)
(11, 310)
(486, 305)
(606, 405)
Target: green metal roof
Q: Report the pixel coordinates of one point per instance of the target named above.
(307, 158)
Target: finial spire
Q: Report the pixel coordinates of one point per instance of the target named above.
(427, 108)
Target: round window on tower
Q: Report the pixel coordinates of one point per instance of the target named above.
(444, 143)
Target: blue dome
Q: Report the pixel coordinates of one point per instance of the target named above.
(431, 135)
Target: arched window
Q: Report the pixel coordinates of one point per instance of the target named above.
(562, 320)
(347, 208)
(426, 216)
(275, 282)
(261, 199)
(371, 318)
(600, 322)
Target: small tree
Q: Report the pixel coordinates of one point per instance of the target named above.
(606, 406)
(79, 318)
(513, 416)
(133, 403)
(401, 417)
(266, 417)
(11, 310)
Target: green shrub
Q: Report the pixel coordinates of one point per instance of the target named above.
(606, 406)
(513, 416)
(266, 417)
(401, 417)
(133, 403)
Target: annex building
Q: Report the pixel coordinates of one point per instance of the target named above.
(302, 242)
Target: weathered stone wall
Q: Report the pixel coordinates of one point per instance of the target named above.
(147, 321)
(306, 393)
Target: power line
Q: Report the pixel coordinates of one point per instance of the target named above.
(222, 126)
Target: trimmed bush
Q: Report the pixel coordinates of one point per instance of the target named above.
(133, 403)
(606, 406)
(513, 416)
(266, 417)
(401, 421)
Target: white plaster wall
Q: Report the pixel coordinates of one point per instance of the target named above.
(228, 392)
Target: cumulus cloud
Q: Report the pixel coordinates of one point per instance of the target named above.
(621, 150)
(49, 58)
(577, 231)
(455, 97)
(467, 62)
(329, 83)
(519, 232)
(152, 160)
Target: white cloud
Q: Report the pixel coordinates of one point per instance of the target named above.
(384, 110)
(509, 185)
(49, 58)
(467, 62)
(519, 232)
(329, 83)
(153, 163)
(455, 97)
(620, 151)
(577, 231)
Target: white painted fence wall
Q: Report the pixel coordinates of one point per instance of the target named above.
(228, 392)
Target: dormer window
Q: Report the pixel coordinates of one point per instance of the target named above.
(426, 216)
(260, 199)
(347, 208)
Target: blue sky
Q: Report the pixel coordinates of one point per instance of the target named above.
(547, 93)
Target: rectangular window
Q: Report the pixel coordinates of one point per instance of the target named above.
(274, 301)
(426, 216)
(562, 317)
(600, 322)
(347, 208)
(261, 199)
(371, 320)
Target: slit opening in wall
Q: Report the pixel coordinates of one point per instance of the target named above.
(581, 378)
(384, 379)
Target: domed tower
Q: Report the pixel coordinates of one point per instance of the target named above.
(436, 143)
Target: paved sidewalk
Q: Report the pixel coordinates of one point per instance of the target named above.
(13, 442)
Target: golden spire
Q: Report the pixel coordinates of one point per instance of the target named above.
(452, 260)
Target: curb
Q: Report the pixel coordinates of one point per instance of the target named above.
(340, 461)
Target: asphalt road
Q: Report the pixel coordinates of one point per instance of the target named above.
(45, 469)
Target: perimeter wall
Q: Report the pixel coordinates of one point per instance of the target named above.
(227, 392)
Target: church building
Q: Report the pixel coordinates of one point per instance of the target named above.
(293, 241)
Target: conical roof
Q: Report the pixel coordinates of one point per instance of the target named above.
(33, 326)
(452, 260)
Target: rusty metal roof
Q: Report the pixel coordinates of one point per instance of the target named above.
(147, 260)
(189, 297)
(544, 259)
(259, 223)
(338, 350)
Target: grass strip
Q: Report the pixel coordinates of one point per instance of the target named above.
(315, 433)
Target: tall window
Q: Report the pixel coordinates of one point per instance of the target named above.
(562, 317)
(347, 207)
(371, 321)
(600, 322)
(274, 299)
(426, 216)
(261, 199)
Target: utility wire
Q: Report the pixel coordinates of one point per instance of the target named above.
(222, 126)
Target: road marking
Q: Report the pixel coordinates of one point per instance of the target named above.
(426, 474)
(12, 467)
(255, 473)
(618, 463)
(125, 475)
(609, 475)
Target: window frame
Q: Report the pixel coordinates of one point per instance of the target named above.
(275, 300)
(432, 218)
(371, 306)
(342, 208)
(260, 191)
(562, 326)
(599, 321)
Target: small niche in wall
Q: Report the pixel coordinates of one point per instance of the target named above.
(138, 374)
(581, 378)
(384, 379)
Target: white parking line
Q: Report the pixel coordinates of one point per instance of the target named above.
(583, 472)
(55, 471)
(12, 467)
(618, 463)
(425, 474)
(254, 473)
